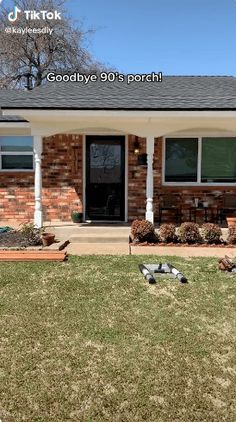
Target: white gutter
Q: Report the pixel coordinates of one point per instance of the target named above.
(119, 113)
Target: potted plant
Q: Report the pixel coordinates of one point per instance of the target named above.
(47, 238)
(76, 216)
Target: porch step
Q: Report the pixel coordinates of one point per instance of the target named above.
(81, 237)
(101, 234)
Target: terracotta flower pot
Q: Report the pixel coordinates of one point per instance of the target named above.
(231, 220)
(48, 239)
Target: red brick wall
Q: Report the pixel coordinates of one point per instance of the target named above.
(16, 196)
(62, 183)
(62, 176)
(136, 180)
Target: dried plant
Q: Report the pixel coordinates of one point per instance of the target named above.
(143, 231)
(167, 233)
(211, 233)
(189, 233)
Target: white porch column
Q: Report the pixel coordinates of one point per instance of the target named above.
(149, 182)
(38, 214)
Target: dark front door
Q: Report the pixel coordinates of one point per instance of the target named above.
(105, 178)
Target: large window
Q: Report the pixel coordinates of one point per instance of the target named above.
(200, 160)
(16, 153)
(181, 160)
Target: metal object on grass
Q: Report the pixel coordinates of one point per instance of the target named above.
(150, 270)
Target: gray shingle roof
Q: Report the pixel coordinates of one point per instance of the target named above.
(8, 97)
(173, 93)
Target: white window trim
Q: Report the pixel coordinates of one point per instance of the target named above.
(18, 170)
(198, 183)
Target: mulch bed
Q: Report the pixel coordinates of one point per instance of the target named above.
(13, 239)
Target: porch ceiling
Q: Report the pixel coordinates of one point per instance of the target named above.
(140, 123)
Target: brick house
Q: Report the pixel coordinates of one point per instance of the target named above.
(111, 150)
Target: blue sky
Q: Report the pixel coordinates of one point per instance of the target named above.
(188, 37)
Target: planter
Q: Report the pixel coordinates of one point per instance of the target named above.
(231, 220)
(76, 217)
(48, 239)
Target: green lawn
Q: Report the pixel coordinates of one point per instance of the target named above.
(90, 340)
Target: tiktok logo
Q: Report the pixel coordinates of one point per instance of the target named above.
(12, 16)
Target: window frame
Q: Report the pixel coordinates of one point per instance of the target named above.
(199, 161)
(18, 170)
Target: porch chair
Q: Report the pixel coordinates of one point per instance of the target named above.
(228, 206)
(172, 204)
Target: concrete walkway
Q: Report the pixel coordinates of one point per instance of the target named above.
(98, 249)
(121, 249)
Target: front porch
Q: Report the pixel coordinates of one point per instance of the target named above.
(59, 183)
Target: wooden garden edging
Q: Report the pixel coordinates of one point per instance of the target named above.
(35, 255)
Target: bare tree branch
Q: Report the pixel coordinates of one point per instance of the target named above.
(37, 54)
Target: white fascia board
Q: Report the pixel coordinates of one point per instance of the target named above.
(38, 114)
(13, 125)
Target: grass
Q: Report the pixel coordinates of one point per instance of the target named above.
(90, 340)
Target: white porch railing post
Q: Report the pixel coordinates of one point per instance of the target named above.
(38, 213)
(149, 183)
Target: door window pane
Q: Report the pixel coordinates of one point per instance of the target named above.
(21, 162)
(181, 160)
(105, 163)
(218, 160)
(16, 143)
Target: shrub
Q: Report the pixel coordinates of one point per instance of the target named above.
(167, 233)
(31, 234)
(211, 233)
(143, 231)
(189, 233)
(231, 235)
